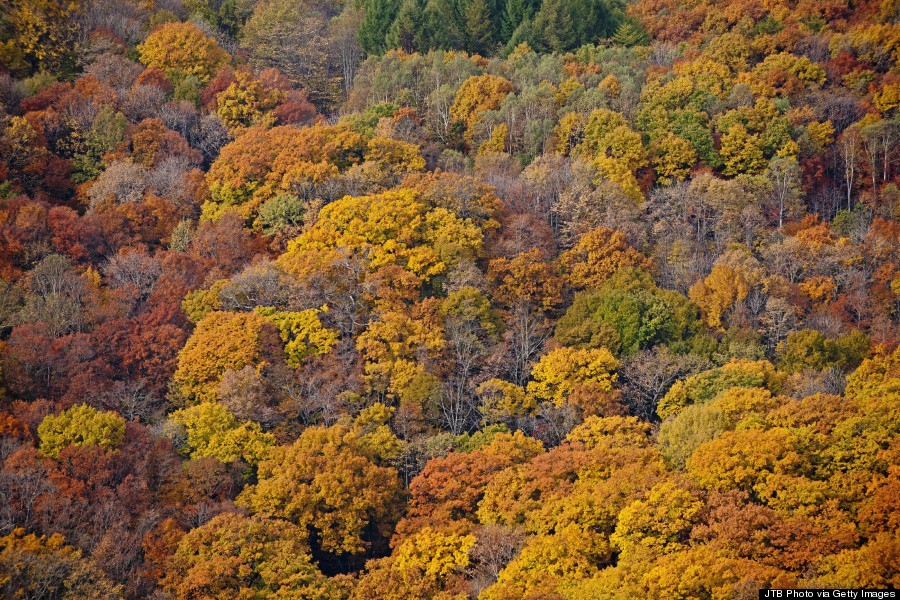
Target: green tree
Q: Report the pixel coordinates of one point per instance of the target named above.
(374, 29)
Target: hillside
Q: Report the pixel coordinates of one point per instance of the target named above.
(396, 300)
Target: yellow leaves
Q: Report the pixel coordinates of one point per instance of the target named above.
(658, 523)
(302, 332)
(199, 303)
(743, 459)
(399, 157)
(34, 566)
(393, 228)
(599, 255)
(542, 565)
(569, 131)
(326, 484)
(707, 74)
(785, 73)
(496, 143)
(246, 102)
(729, 283)
(42, 33)
(81, 425)
(221, 341)
(737, 403)
(821, 133)
(237, 557)
(887, 99)
(433, 554)
(183, 50)
(502, 399)
(614, 148)
(452, 238)
(476, 95)
(211, 429)
(562, 370)
(741, 151)
(673, 159)
(393, 342)
(820, 289)
(595, 432)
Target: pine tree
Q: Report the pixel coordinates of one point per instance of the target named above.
(479, 28)
(373, 31)
(630, 34)
(406, 31)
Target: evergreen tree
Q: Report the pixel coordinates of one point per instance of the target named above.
(445, 25)
(516, 13)
(373, 31)
(553, 28)
(480, 28)
(629, 34)
(406, 32)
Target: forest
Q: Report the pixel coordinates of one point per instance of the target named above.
(448, 299)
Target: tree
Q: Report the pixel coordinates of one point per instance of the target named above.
(476, 95)
(373, 31)
(210, 429)
(222, 341)
(234, 557)
(729, 283)
(597, 256)
(80, 425)
(741, 151)
(45, 567)
(784, 175)
(660, 523)
(446, 494)
(328, 484)
(182, 50)
(626, 314)
(293, 38)
(703, 387)
(673, 158)
(564, 375)
(480, 28)
(302, 333)
(529, 289)
(429, 564)
(42, 35)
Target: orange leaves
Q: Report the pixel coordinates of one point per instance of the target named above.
(599, 255)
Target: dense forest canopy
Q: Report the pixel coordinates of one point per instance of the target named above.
(448, 299)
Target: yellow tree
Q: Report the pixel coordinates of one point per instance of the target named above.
(45, 567)
(246, 102)
(428, 564)
(570, 375)
(210, 429)
(43, 32)
(734, 274)
(615, 149)
(476, 95)
(182, 50)
(223, 341)
(328, 484)
(233, 557)
(81, 425)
